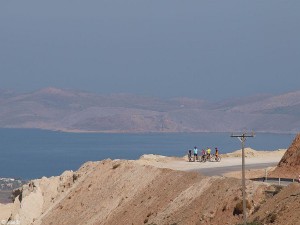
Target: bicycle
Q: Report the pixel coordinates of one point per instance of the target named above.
(190, 155)
(203, 158)
(214, 158)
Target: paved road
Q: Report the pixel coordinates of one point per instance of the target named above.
(218, 171)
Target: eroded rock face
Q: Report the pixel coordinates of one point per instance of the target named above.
(292, 155)
(125, 192)
(36, 197)
(289, 165)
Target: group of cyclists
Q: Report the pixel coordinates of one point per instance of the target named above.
(205, 155)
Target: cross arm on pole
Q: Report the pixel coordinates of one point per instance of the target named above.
(243, 135)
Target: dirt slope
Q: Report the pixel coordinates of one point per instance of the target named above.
(122, 192)
(125, 192)
(282, 209)
(289, 165)
(251, 153)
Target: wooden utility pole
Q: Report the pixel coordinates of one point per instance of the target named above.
(242, 137)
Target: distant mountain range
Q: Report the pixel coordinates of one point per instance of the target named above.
(77, 111)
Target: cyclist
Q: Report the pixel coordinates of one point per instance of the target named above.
(208, 152)
(216, 152)
(190, 155)
(195, 153)
(203, 155)
(217, 157)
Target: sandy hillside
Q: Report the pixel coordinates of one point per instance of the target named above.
(281, 209)
(251, 153)
(153, 190)
(289, 165)
(5, 211)
(125, 192)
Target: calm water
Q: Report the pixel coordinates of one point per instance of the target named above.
(30, 153)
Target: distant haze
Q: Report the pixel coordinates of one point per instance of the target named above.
(202, 49)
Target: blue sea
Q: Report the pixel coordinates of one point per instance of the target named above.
(33, 153)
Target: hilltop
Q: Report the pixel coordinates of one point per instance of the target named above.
(289, 165)
(78, 111)
(115, 192)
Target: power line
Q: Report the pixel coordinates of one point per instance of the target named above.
(242, 137)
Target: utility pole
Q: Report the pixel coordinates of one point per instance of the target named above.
(242, 137)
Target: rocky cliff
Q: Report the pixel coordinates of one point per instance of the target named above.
(125, 192)
(289, 165)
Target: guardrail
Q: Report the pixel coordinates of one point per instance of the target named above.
(275, 180)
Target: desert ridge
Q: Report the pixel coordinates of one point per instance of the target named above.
(144, 191)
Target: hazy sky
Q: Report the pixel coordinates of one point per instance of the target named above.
(204, 49)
